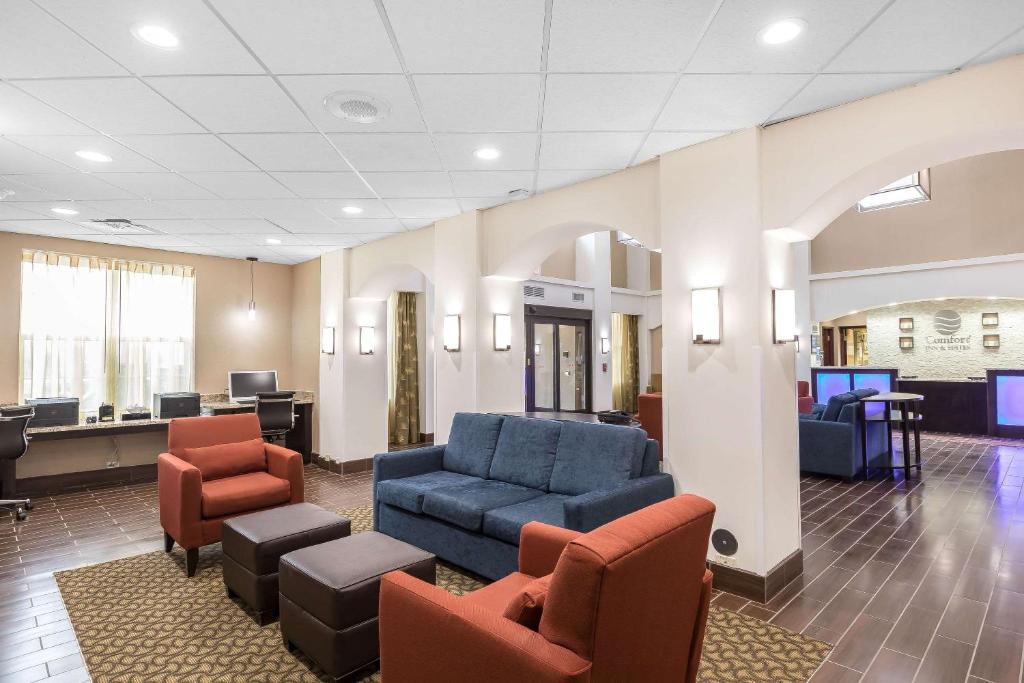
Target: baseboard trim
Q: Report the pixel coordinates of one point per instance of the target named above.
(754, 586)
(427, 438)
(353, 466)
(74, 481)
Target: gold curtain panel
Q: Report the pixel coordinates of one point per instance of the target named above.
(403, 360)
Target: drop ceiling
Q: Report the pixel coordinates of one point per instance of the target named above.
(224, 142)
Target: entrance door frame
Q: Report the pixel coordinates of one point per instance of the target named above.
(842, 342)
(558, 316)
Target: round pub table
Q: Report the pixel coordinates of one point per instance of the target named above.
(901, 409)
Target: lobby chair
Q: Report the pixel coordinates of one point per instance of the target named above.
(804, 400)
(830, 440)
(13, 444)
(216, 468)
(625, 603)
(276, 411)
(649, 414)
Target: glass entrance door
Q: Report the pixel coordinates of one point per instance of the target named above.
(557, 364)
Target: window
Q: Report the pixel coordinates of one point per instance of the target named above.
(105, 330)
(909, 189)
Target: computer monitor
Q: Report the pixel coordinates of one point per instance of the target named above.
(243, 385)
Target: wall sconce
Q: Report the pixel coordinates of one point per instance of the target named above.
(783, 315)
(990, 341)
(706, 315)
(452, 333)
(605, 345)
(502, 332)
(990, 320)
(252, 286)
(367, 338)
(906, 324)
(906, 343)
(327, 340)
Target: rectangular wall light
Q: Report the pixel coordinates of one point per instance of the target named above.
(367, 339)
(452, 333)
(502, 332)
(706, 315)
(784, 315)
(327, 340)
(605, 345)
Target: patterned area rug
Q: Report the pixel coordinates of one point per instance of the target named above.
(141, 619)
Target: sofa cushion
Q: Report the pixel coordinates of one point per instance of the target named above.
(471, 443)
(525, 452)
(228, 459)
(835, 404)
(593, 456)
(407, 493)
(464, 505)
(527, 605)
(506, 523)
(863, 393)
(244, 493)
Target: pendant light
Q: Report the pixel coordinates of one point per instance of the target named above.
(252, 287)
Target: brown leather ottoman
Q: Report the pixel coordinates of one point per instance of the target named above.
(330, 594)
(254, 543)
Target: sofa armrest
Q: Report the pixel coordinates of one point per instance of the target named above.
(540, 546)
(590, 510)
(428, 634)
(180, 490)
(285, 463)
(407, 463)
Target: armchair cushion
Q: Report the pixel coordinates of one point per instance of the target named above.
(471, 443)
(465, 505)
(525, 452)
(593, 456)
(227, 459)
(506, 523)
(527, 605)
(244, 493)
(195, 432)
(408, 493)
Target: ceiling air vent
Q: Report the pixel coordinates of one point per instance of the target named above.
(121, 226)
(533, 292)
(578, 297)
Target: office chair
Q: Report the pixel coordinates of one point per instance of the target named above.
(13, 444)
(276, 411)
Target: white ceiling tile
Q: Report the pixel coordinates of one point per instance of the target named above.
(490, 183)
(113, 105)
(240, 185)
(661, 142)
(726, 102)
(313, 36)
(286, 212)
(473, 203)
(325, 185)
(610, 35)
(310, 91)
(423, 208)
(550, 180)
(604, 101)
(1014, 45)
(21, 191)
(263, 253)
(157, 185)
(202, 251)
(207, 208)
(731, 44)
(372, 237)
(330, 240)
(63, 148)
(234, 104)
(388, 151)
(371, 208)
(829, 90)
(417, 223)
(183, 153)
(182, 227)
(301, 225)
(929, 35)
(233, 240)
(105, 239)
(297, 254)
(25, 210)
(207, 46)
(413, 184)
(452, 36)
(243, 226)
(277, 240)
(74, 186)
(162, 241)
(134, 209)
(361, 226)
(518, 151)
(35, 45)
(588, 150)
(288, 151)
(22, 114)
(44, 227)
(86, 210)
(475, 103)
(17, 159)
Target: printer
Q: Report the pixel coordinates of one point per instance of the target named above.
(53, 412)
(177, 404)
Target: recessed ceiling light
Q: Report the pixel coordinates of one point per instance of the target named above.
(92, 155)
(352, 210)
(157, 36)
(357, 106)
(273, 240)
(64, 211)
(487, 153)
(781, 31)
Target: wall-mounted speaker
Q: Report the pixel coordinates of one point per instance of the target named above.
(724, 542)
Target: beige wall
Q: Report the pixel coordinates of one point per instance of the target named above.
(619, 261)
(655, 271)
(561, 264)
(975, 211)
(305, 358)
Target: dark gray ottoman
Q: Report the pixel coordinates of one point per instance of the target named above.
(253, 544)
(330, 594)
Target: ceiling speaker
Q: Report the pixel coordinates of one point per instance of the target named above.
(724, 542)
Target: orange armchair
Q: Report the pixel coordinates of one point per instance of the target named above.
(216, 468)
(804, 400)
(626, 602)
(649, 415)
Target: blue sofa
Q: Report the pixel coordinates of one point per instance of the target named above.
(830, 438)
(466, 501)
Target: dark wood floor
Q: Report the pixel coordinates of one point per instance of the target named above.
(912, 580)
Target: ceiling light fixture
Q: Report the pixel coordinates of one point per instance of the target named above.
(352, 210)
(356, 106)
(273, 240)
(487, 153)
(64, 211)
(252, 286)
(782, 31)
(92, 155)
(157, 36)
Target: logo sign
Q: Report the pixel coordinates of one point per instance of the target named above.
(947, 322)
